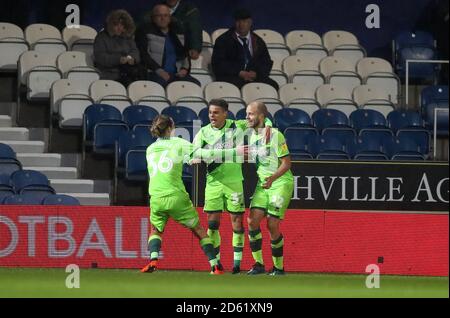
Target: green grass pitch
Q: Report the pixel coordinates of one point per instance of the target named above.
(20, 282)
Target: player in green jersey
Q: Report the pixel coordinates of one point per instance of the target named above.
(224, 190)
(168, 196)
(274, 188)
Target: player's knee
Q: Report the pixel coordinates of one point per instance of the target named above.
(253, 224)
(213, 225)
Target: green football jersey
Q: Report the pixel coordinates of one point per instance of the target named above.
(267, 156)
(226, 167)
(165, 159)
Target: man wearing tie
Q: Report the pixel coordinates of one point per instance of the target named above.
(240, 56)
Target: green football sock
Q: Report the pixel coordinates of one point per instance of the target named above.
(277, 252)
(255, 238)
(214, 234)
(154, 246)
(238, 247)
(208, 249)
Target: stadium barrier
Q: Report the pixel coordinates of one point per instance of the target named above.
(316, 241)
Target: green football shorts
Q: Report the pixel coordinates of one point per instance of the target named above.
(273, 201)
(220, 197)
(177, 207)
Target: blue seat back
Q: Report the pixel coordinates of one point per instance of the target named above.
(139, 114)
(291, 117)
(324, 118)
(26, 178)
(97, 113)
(367, 118)
(60, 199)
(23, 199)
(180, 114)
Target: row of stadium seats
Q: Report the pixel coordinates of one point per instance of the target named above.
(42, 38)
(26, 186)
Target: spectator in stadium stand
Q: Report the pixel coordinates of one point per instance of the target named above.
(163, 54)
(115, 52)
(186, 21)
(240, 56)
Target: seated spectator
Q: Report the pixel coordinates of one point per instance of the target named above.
(162, 53)
(186, 20)
(115, 52)
(240, 56)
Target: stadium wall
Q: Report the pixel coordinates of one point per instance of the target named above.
(316, 241)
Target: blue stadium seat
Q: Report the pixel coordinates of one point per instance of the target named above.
(403, 148)
(139, 114)
(418, 45)
(102, 126)
(328, 148)
(60, 199)
(130, 161)
(6, 189)
(204, 116)
(332, 122)
(291, 117)
(410, 123)
(433, 97)
(8, 160)
(370, 123)
(368, 149)
(298, 141)
(185, 119)
(23, 199)
(29, 181)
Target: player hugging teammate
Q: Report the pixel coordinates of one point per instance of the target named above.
(221, 145)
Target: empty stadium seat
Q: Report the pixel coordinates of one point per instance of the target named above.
(110, 92)
(369, 97)
(188, 94)
(338, 71)
(228, 92)
(80, 39)
(102, 126)
(328, 148)
(418, 45)
(46, 39)
(186, 121)
(344, 44)
(379, 73)
(403, 148)
(332, 122)
(8, 161)
(6, 189)
(295, 95)
(262, 92)
(68, 101)
(148, 93)
(434, 102)
(12, 45)
(23, 199)
(30, 181)
(139, 114)
(60, 199)
(366, 149)
(285, 118)
(306, 44)
(336, 97)
(77, 66)
(298, 140)
(304, 71)
(275, 43)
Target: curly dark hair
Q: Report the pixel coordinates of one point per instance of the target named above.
(123, 17)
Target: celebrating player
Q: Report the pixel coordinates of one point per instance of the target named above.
(274, 188)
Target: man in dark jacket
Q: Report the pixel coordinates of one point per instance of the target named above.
(162, 52)
(186, 20)
(240, 56)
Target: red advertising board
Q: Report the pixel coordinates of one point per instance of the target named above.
(315, 241)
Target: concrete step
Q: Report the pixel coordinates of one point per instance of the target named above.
(57, 172)
(25, 146)
(72, 186)
(14, 133)
(40, 159)
(5, 121)
(92, 199)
